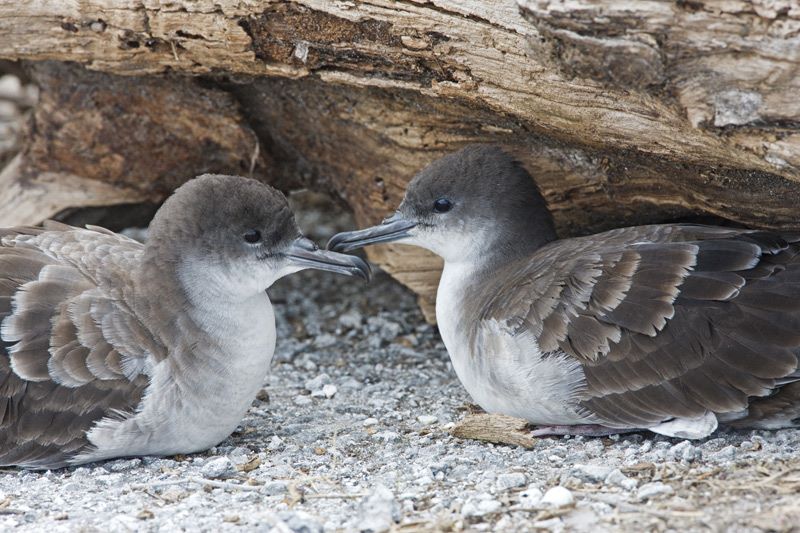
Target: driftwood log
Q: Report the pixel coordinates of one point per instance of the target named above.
(624, 112)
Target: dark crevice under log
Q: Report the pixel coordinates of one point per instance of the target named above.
(146, 134)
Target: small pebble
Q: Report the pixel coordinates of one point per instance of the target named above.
(302, 400)
(511, 480)
(427, 420)
(618, 479)
(299, 522)
(124, 464)
(653, 491)
(351, 319)
(480, 506)
(317, 383)
(684, 451)
(558, 497)
(327, 391)
(750, 446)
(218, 467)
(275, 488)
(387, 436)
(590, 473)
(378, 511)
(325, 340)
(10, 87)
(387, 330)
(728, 453)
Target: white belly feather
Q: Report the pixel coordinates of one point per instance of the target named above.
(186, 410)
(505, 374)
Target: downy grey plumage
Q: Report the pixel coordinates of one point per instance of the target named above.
(673, 328)
(113, 348)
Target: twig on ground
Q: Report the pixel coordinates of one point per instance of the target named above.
(199, 480)
(777, 476)
(499, 429)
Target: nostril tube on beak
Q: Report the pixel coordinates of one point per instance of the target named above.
(306, 244)
(394, 228)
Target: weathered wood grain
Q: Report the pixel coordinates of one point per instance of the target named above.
(625, 112)
(499, 429)
(98, 139)
(481, 50)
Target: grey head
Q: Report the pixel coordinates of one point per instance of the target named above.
(235, 234)
(470, 205)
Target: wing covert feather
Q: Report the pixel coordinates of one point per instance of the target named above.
(68, 342)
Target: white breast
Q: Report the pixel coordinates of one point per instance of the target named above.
(196, 400)
(505, 374)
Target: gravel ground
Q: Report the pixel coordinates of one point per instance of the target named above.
(352, 432)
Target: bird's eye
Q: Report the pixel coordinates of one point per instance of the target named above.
(252, 236)
(442, 205)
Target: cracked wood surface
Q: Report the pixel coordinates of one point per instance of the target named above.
(482, 51)
(625, 112)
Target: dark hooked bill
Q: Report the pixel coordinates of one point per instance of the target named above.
(393, 228)
(303, 252)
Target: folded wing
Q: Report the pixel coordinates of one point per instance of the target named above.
(673, 321)
(71, 351)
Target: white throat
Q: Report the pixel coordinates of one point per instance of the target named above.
(525, 384)
(453, 285)
(456, 245)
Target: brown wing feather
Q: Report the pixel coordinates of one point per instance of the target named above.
(59, 373)
(667, 321)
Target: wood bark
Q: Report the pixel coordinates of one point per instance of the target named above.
(498, 429)
(624, 112)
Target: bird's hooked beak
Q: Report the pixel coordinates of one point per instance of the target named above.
(394, 228)
(305, 253)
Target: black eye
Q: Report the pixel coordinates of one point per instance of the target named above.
(252, 236)
(442, 205)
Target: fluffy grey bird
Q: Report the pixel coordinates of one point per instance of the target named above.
(672, 328)
(113, 348)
